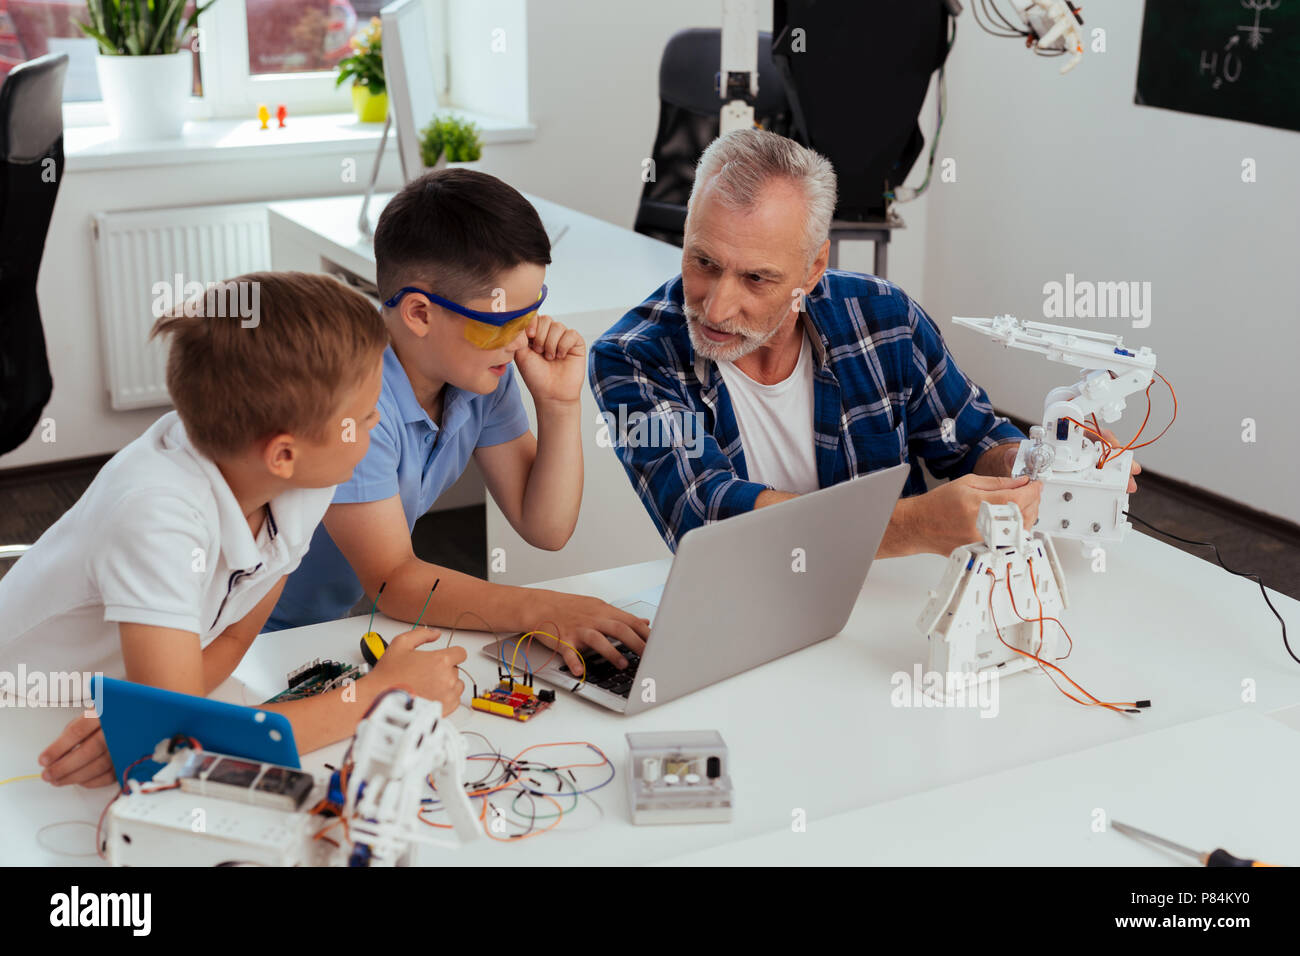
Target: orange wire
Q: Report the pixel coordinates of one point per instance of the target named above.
(1133, 443)
(1095, 702)
(1090, 431)
(512, 763)
(1033, 580)
(1172, 419)
(525, 836)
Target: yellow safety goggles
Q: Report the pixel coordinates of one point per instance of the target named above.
(484, 330)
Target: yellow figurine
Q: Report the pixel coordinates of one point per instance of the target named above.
(263, 114)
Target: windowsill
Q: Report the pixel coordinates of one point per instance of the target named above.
(90, 148)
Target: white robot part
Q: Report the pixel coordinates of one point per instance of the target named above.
(205, 809)
(403, 739)
(738, 76)
(258, 814)
(972, 605)
(1055, 25)
(1080, 500)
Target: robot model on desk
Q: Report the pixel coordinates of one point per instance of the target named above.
(207, 809)
(1084, 497)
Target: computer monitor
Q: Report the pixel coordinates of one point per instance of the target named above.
(409, 75)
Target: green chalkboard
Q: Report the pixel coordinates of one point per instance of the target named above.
(1238, 59)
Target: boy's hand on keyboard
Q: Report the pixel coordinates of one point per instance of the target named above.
(588, 623)
(429, 674)
(79, 755)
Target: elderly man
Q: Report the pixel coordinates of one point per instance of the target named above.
(799, 377)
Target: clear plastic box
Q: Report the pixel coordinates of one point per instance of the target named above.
(678, 777)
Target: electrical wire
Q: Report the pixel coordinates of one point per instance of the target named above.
(1109, 450)
(436, 582)
(26, 776)
(518, 779)
(374, 604)
(992, 28)
(1250, 575)
(1119, 707)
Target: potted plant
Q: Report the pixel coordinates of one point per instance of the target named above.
(450, 140)
(365, 67)
(144, 64)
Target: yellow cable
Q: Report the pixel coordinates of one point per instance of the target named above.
(523, 637)
(29, 776)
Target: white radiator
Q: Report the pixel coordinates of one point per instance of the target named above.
(134, 252)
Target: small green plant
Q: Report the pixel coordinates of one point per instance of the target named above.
(365, 66)
(457, 138)
(140, 27)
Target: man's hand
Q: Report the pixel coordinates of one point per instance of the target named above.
(554, 363)
(998, 461)
(428, 674)
(945, 517)
(1136, 469)
(79, 755)
(587, 623)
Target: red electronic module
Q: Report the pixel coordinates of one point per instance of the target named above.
(513, 700)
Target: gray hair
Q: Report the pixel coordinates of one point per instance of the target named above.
(741, 163)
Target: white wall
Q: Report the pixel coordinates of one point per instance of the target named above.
(1060, 174)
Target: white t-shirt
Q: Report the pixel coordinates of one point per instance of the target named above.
(158, 538)
(776, 425)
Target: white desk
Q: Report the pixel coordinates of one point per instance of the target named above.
(1225, 781)
(599, 271)
(816, 731)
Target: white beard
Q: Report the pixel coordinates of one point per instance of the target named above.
(730, 352)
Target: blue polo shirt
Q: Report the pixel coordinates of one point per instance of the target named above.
(410, 457)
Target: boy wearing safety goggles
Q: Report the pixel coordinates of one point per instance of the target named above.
(461, 261)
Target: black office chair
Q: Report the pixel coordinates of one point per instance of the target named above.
(31, 169)
(689, 104)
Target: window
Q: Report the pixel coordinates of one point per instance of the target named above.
(253, 52)
(32, 28)
(276, 51)
(299, 36)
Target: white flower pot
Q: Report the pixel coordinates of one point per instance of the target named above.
(443, 164)
(146, 95)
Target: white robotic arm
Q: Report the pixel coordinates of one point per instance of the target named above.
(1080, 499)
(1055, 26)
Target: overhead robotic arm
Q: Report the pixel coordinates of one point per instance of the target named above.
(1083, 497)
(1053, 25)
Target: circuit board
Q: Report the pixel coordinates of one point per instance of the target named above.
(317, 677)
(514, 701)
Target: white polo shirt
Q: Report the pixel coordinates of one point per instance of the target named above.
(158, 538)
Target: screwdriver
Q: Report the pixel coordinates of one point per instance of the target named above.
(1218, 857)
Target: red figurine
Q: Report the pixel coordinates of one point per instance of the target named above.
(280, 114)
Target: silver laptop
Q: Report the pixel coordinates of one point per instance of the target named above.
(742, 592)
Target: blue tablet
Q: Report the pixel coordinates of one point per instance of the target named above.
(136, 717)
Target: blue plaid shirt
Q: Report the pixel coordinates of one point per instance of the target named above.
(883, 385)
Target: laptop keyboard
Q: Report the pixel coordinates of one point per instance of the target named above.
(605, 675)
